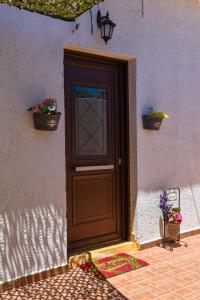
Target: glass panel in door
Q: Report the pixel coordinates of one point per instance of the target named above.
(91, 121)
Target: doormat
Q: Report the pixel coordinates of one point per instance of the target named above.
(113, 265)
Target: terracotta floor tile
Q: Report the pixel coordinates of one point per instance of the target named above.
(195, 295)
(170, 275)
(184, 291)
(169, 296)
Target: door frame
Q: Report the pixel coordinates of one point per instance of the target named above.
(127, 77)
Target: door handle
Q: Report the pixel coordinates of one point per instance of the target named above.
(94, 168)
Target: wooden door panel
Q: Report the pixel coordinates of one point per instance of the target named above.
(93, 126)
(94, 196)
(94, 209)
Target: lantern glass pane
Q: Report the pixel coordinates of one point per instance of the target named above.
(107, 30)
(111, 31)
(102, 29)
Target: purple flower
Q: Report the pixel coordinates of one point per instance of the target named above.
(164, 206)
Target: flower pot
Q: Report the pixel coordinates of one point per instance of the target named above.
(151, 123)
(46, 122)
(173, 231)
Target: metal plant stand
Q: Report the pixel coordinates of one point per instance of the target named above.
(173, 196)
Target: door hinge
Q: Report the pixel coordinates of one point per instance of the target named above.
(119, 161)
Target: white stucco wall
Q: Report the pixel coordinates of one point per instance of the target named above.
(166, 44)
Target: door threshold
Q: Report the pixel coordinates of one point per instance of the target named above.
(83, 256)
(94, 247)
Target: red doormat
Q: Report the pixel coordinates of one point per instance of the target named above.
(114, 265)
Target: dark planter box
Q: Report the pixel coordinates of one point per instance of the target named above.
(151, 123)
(46, 122)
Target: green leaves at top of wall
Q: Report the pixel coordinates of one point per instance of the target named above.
(66, 10)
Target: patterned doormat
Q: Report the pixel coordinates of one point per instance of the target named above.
(113, 265)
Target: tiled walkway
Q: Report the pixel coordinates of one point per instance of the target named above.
(76, 284)
(169, 276)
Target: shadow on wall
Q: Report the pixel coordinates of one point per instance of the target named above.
(31, 241)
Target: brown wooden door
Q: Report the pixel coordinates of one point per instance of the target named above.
(94, 146)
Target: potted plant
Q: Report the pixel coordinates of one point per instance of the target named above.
(153, 120)
(45, 115)
(172, 217)
(174, 221)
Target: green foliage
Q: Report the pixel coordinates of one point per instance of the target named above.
(158, 114)
(61, 9)
(176, 209)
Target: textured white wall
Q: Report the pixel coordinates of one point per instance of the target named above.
(32, 164)
(166, 44)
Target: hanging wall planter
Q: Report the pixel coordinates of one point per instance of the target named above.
(153, 120)
(46, 122)
(45, 115)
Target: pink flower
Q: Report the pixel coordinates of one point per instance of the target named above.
(87, 266)
(178, 218)
(175, 217)
(36, 108)
(45, 101)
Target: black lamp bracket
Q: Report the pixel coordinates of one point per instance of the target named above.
(100, 18)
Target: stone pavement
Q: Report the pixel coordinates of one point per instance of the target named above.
(170, 275)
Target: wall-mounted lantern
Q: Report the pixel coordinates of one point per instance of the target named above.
(106, 26)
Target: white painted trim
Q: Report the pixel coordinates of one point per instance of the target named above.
(158, 238)
(190, 230)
